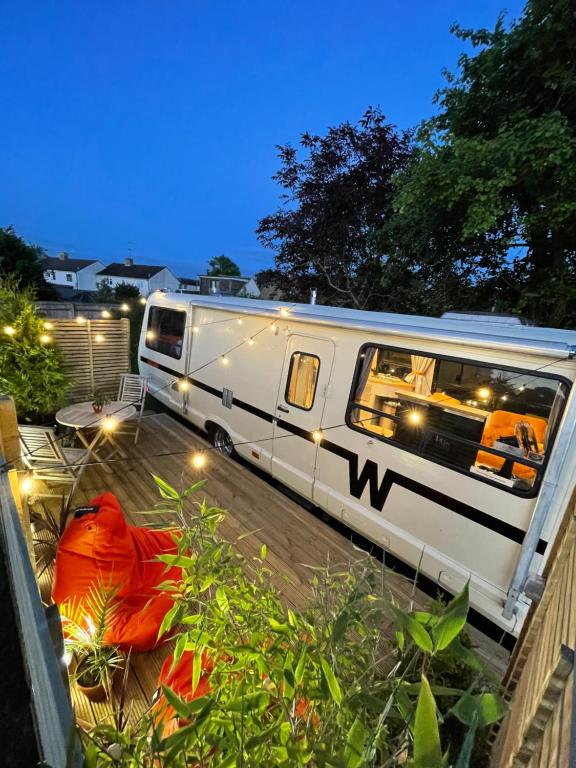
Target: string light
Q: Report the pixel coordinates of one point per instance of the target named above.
(109, 424)
(150, 335)
(48, 326)
(9, 330)
(45, 338)
(125, 307)
(183, 385)
(80, 319)
(251, 342)
(317, 435)
(105, 313)
(27, 485)
(239, 321)
(142, 300)
(198, 460)
(195, 329)
(225, 360)
(99, 338)
(284, 311)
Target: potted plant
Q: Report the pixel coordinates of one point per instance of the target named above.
(95, 663)
(48, 526)
(99, 400)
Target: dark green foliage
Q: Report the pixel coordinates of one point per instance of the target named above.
(30, 369)
(126, 291)
(486, 213)
(222, 265)
(24, 262)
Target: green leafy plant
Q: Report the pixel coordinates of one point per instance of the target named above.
(31, 368)
(99, 399)
(85, 624)
(48, 523)
(321, 686)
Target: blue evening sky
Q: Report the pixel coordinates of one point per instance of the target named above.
(152, 124)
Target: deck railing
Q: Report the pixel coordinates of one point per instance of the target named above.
(49, 700)
(540, 729)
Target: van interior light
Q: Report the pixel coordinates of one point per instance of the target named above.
(99, 338)
(150, 335)
(109, 424)
(198, 460)
(317, 435)
(484, 393)
(183, 385)
(415, 417)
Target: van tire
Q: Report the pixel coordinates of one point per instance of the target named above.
(222, 441)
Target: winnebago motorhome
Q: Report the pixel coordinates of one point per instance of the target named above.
(447, 442)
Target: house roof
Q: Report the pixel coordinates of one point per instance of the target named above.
(68, 265)
(189, 280)
(225, 277)
(138, 271)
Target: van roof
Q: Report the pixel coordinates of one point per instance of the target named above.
(477, 330)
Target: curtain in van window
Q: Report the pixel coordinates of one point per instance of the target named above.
(421, 374)
(364, 372)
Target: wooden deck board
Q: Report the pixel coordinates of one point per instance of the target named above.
(294, 537)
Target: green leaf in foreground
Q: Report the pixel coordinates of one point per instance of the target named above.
(427, 749)
(452, 621)
(355, 743)
(331, 681)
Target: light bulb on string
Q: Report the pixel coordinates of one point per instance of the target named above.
(142, 300)
(27, 485)
(195, 329)
(45, 338)
(125, 307)
(251, 342)
(150, 335)
(284, 311)
(239, 321)
(105, 314)
(80, 320)
(198, 460)
(109, 424)
(99, 338)
(317, 435)
(183, 385)
(9, 330)
(49, 326)
(225, 360)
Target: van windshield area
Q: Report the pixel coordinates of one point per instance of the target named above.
(165, 331)
(493, 423)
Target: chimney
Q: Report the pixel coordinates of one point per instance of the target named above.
(128, 261)
(63, 256)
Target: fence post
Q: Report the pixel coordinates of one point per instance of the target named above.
(10, 448)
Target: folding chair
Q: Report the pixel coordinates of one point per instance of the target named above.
(132, 390)
(44, 456)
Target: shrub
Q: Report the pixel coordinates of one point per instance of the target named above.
(30, 366)
(321, 687)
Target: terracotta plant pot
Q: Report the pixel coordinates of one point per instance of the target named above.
(97, 408)
(95, 693)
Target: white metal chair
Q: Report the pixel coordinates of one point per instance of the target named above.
(132, 389)
(44, 456)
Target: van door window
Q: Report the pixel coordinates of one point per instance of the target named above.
(496, 424)
(302, 378)
(165, 332)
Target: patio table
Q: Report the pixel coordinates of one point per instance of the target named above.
(81, 417)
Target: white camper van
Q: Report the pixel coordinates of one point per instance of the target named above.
(447, 442)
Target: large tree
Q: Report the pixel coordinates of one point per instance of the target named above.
(337, 190)
(24, 262)
(222, 265)
(490, 200)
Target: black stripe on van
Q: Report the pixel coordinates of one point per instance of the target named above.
(368, 475)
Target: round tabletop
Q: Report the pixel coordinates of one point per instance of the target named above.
(82, 415)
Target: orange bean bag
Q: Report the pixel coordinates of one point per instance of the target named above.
(98, 545)
(502, 424)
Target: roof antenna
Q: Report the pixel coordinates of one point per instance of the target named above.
(313, 294)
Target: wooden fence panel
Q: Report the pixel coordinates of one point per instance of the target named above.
(96, 353)
(539, 730)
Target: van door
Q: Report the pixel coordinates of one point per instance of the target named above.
(164, 351)
(300, 410)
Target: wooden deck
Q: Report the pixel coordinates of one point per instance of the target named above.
(294, 537)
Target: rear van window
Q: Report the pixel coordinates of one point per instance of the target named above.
(165, 331)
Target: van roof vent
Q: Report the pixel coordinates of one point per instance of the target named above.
(502, 318)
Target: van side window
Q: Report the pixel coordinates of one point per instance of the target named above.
(165, 332)
(492, 423)
(302, 378)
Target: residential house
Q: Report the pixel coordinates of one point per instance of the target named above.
(145, 277)
(70, 276)
(229, 285)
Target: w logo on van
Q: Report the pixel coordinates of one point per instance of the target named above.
(369, 477)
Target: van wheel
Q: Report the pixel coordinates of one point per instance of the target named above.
(222, 441)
